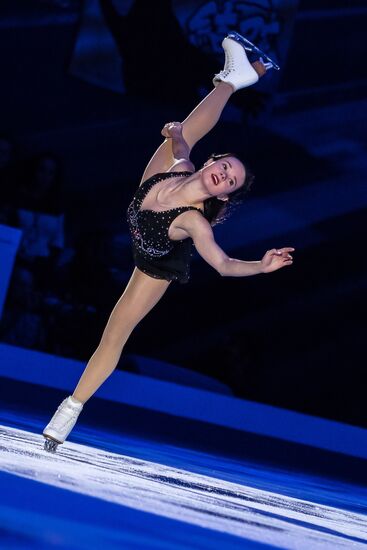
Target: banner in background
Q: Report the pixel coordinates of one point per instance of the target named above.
(97, 58)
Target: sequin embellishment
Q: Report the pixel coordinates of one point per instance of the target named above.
(148, 228)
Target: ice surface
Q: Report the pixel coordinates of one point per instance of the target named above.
(211, 502)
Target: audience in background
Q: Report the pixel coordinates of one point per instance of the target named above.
(39, 211)
(31, 201)
(55, 292)
(60, 297)
(7, 179)
(23, 323)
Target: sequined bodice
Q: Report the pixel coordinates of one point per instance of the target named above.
(149, 229)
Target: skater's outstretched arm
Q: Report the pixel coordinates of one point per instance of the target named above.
(201, 232)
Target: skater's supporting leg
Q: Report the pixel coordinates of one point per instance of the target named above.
(199, 122)
(139, 297)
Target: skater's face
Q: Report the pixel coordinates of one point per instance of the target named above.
(223, 176)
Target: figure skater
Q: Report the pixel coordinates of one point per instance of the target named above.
(173, 207)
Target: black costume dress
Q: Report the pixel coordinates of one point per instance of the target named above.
(154, 252)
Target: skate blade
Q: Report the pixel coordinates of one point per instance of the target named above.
(249, 46)
(50, 445)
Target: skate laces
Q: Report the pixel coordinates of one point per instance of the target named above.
(64, 410)
(60, 423)
(68, 405)
(228, 65)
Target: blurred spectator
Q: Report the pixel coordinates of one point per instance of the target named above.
(40, 188)
(35, 206)
(39, 213)
(22, 323)
(91, 281)
(7, 179)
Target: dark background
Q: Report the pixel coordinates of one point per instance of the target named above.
(294, 338)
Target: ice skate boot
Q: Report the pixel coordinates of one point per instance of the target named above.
(240, 55)
(61, 423)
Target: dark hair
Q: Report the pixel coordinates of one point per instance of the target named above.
(217, 211)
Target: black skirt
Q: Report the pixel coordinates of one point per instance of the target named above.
(174, 266)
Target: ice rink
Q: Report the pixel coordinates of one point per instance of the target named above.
(107, 490)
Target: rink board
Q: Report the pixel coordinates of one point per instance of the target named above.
(137, 403)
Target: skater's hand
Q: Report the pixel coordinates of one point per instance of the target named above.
(259, 67)
(275, 259)
(172, 130)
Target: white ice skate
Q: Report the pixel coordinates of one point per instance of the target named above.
(240, 53)
(61, 423)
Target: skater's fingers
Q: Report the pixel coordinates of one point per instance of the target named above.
(170, 127)
(279, 251)
(259, 67)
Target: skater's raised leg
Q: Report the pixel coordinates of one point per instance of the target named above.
(199, 122)
(238, 73)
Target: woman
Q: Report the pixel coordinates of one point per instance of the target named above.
(173, 207)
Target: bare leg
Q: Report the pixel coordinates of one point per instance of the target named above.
(199, 122)
(205, 116)
(139, 297)
(142, 291)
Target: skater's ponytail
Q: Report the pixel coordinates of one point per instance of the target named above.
(217, 211)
